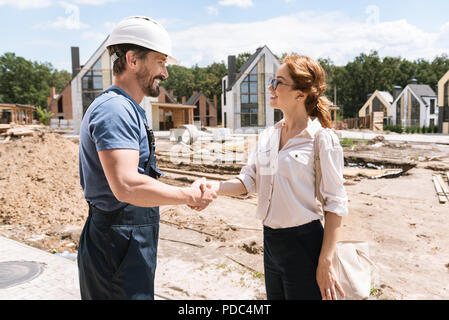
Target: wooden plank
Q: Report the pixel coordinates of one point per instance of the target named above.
(440, 193)
(443, 186)
(195, 174)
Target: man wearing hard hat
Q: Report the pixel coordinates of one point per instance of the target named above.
(118, 173)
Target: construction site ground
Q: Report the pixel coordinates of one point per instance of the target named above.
(218, 253)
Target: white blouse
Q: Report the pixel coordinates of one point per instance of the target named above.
(285, 180)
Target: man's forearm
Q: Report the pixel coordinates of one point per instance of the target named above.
(143, 191)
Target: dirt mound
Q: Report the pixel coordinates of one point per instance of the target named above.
(42, 203)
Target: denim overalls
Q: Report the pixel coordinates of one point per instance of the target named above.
(118, 249)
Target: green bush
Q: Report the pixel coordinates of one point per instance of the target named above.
(347, 142)
(44, 115)
(394, 128)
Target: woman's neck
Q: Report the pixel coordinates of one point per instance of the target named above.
(295, 121)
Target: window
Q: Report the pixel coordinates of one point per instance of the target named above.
(92, 84)
(398, 111)
(278, 115)
(249, 100)
(432, 106)
(415, 112)
(60, 109)
(446, 95)
(378, 105)
(248, 88)
(224, 92)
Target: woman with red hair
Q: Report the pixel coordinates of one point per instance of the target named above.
(298, 250)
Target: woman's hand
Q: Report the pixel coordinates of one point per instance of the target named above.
(327, 280)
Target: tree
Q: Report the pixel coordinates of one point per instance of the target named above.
(183, 81)
(27, 82)
(241, 59)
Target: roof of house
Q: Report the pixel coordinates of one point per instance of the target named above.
(422, 90)
(173, 105)
(194, 98)
(444, 78)
(247, 64)
(167, 94)
(7, 106)
(386, 96)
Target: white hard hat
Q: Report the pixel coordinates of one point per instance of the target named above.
(144, 32)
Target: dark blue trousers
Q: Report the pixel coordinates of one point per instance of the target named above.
(290, 262)
(118, 253)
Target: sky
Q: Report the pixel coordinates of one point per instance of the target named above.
(207, 31)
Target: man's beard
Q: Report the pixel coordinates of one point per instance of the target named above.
(147, 85)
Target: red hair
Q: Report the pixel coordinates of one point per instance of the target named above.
(309, 77)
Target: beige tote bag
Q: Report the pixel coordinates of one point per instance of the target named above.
(354, 268)
(351, 260)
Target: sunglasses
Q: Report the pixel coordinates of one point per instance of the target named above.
(275, 82)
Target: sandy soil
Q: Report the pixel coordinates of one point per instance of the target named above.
(218, 253)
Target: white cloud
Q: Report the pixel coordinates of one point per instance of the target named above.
(110, 25)
(97, 36)
(331, 35)
(94, 2)
(26, 4)
(443, 39)
(212, 10)
(237, 3)
(46, 43)
(70, 22)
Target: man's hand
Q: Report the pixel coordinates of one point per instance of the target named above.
(203, 195)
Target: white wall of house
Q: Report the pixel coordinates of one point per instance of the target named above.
(425, 116)
(77, 100)
(232, 108)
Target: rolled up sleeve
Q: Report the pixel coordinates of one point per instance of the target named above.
(248, 174)
(332, 182)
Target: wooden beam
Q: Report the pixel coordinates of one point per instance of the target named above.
(439, 190)
(443, 186)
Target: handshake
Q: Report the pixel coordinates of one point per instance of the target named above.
(204, 192)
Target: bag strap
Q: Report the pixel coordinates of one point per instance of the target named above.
(318, 174)
(364, 256)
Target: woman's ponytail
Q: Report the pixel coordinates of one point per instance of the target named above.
(310, 77)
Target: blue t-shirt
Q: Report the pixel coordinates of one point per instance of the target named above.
(112, 121)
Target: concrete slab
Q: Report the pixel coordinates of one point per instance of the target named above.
(57, 281)
(418, 138)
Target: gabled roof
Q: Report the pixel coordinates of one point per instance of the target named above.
(90, 61)
(167, 94)
(247, 64)
(194, 98)
(387, 96)
(444, 78)
(419, 90)
(441, 85)
(422, 90)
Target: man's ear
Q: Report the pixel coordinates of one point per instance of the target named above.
(131, 59)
